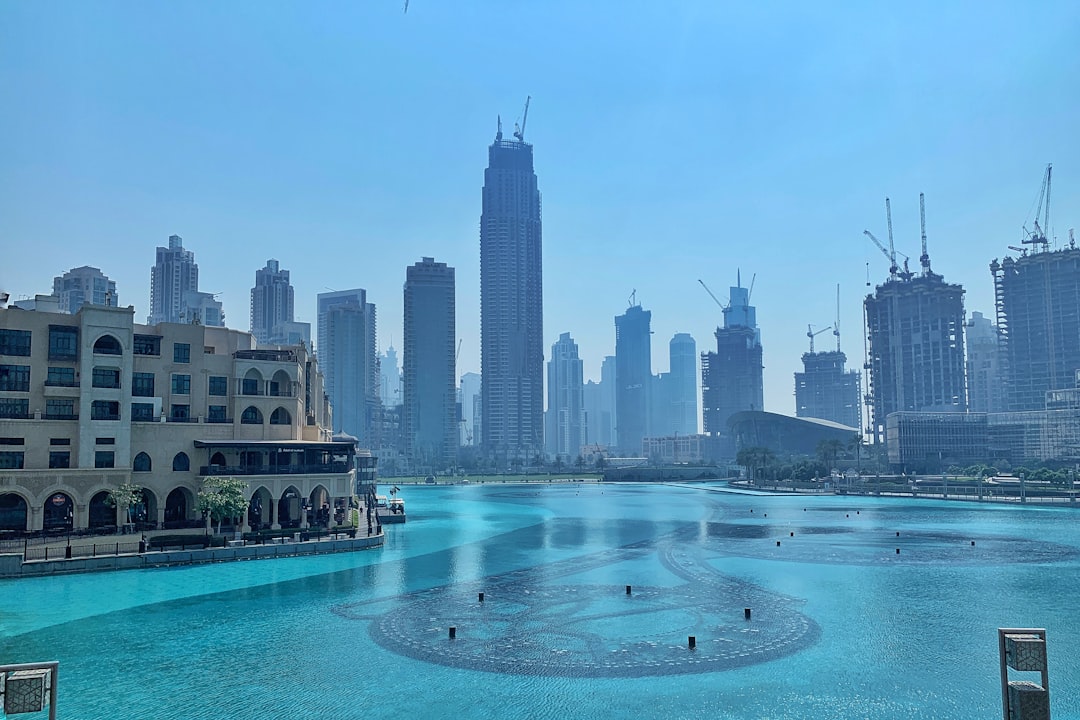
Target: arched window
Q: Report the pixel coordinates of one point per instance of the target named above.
(141, 463)
(281, 416)
(181, 463)
(107, 345)
(251, 416)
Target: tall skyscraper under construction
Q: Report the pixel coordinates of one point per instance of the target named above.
(511, 302)
(731, 377)
(1037, 298)
(825, 389)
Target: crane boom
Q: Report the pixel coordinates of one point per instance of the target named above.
(811, 334)
(836, 325)
(1038, 235)
(891, 257)
(519, 132)
(888, 216)
(715, 299)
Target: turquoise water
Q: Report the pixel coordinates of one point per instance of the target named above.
(841, 626)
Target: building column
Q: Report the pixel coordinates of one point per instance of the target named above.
(35, 518)
(80, 518)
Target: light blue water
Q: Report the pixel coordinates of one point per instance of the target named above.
(842, 626)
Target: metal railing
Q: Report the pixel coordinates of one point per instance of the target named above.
(80, 551)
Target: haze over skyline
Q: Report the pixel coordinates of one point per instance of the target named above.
(671, 143)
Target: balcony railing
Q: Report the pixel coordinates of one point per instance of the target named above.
(61, 416)
(62, 383)
(315, 469)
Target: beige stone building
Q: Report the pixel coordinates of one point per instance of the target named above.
(92, 400)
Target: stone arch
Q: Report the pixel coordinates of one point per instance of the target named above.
(280, 384)
(142, 463)
(100, 514)
(108, 345)
(146, 511)
(280, 416)
(319, 502)
(252, 383)
(251, 416)
(181, 462)
(290, 507)
(218, 459)
(179, 505)
(59, 512)
(261, 509)
(14, 512)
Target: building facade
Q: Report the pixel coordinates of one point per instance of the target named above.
(825, 390)
(566, 404)
(511, 304)
(347, 356)
(92, 400)
(84, 286)
(429, 420)
(174, 274)
(271, 303)
(633, 378)
(985, 380)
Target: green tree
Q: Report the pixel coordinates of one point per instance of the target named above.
(125, 496)
(755, 460)
(222, 498)
(829, 451)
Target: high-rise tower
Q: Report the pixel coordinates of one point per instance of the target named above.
(984, 367)
(271, 303)
(346, 352)
(429, 421)
(633, 378)
(511, 302)
(566, 404)
(173, 277)
(84, 286)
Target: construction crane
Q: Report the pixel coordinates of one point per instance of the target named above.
(1038, 235)
(1022, 250)
(836, 325)
(715, 299)
(924, 259)
(519, 133)
(633, 297)
(890, 256)
(811, 334)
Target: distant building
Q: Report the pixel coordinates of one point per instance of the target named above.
(390, 378)
(985, 377)
(566, 407)
(674, 393)
(784, 435)
(84, 286)
(469, 397)
(346, 351)
(915, 326)
(174, 274)
(825, 390)
(291, 333)
(271, 303)
(1038, 318)
(511, 303)
(675, 449)
(633, 378)
(202, 308)
(731, 378)
(429, 420)
(599, 401)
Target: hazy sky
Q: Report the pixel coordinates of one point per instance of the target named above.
(673, 141)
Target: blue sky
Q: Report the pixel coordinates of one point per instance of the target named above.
(673, 141)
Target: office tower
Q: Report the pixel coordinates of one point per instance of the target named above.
(566, 411)
(731, 377)
(429, 421)
(600, 407)
(271, 303)
(915, 327)
(825, 389)
(174, 274)
(346, 352)
(389, 379)
(511, 303)
(84, 286)
(682, 386)
(984, 367)
(469, 396)
(1037, 298)
(633, 378)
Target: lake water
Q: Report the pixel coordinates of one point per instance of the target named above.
(841, 625)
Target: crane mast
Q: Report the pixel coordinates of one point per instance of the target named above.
(924, 259)
(811, 334)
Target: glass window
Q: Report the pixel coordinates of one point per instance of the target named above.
(216, 414)
(63, 342)
(104, 410)
(12, 441)
(59, 441)
(11, 460)
(142, 384)
(141, 463)
(14, 408)
(15, 378)
(181, 352)
(181, 463)
(104, 459)
(219, 385)
(15, 342)
(181, 384)
(280, 416)
(108, 345)
(104, 441)
(146, 345)
(61, 377)
(60, 409)
(59, 459)
(251, 416)
(142, 412)
(249, 387)
(106, 378)
(180, 413)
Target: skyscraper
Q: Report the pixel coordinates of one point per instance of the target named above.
(984, 367)
(600, 406)
(731, 378)
(682, 385)
(511, 302)
(566, 411)
(469, 397)
(271, 303)
(84, 286)
(1038, 318)
(633, 378)
(389, 379)
(174, 274)
(429, 422)
(346, 352)
(826, 390)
